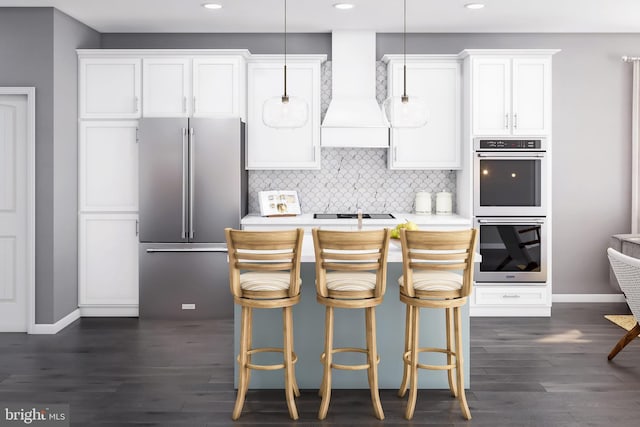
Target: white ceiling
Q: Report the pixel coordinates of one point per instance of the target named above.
(240, 16)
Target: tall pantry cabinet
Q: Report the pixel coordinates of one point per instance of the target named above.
(117, 87)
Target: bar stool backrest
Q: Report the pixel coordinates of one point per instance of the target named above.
(351, 251)
(438, 250)
(264, 251)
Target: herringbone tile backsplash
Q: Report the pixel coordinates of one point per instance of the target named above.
(352, 178)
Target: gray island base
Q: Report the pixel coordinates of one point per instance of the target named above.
(308, 324)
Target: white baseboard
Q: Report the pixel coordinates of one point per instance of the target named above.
(54, 328)
(109, 311)
(588, 298)
(512, 311)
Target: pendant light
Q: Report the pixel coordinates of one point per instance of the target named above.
(285, 112)
(404, 111)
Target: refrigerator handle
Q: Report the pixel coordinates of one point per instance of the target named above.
(192, 183)
(183, 235)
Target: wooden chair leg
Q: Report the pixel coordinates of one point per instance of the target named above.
(407, 339)
(450, 343)
(372, 356)
(328, 356)
(242, 364)
(460, 363)
(630, 336)
(287, 323)
(249, 346)
(296, 389)
(413, 358)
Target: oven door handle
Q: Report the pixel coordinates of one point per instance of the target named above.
(510, 221)
(520, 156)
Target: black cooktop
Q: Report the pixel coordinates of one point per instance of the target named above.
(352, 216)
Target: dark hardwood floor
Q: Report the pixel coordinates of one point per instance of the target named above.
(524, 372)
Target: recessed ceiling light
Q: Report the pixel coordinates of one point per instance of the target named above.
(343, 6)
(212, 6)
(474, 5)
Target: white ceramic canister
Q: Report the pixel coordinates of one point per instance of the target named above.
(423, 203)
(444, 203)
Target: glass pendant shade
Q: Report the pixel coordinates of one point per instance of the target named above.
(405, 111)
(285, 112)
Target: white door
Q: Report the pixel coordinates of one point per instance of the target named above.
(531, 96)
(13, 213)
(437, 144)
(491, 95)
(165, 87)
(215, 88)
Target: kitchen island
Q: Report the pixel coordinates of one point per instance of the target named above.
(308, 315)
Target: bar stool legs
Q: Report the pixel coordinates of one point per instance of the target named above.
(289, 374)
(372, 360)
(244, 361)
(459, 372)
(327, 356)
(411, 365)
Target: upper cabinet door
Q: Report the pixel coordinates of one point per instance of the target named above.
(531, 96)
(166, 87)
(491, 95)
(269, 148)
(218, 87)
(109, 88)
(108, 158)
(437, 145)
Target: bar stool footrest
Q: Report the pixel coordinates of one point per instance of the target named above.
(349, 367)
(273, 367)
(407, 358)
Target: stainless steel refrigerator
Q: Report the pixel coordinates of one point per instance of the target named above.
(193, 184)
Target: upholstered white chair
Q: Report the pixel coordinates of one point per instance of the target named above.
(627, 271)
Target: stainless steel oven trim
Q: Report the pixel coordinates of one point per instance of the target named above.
(515, 277)
(510, 210)
(476, 144)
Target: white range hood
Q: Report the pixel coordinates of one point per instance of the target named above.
(354, 118)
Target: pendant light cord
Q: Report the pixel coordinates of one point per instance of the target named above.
(285, 98)
(405, 98)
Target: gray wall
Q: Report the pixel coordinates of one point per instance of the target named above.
(591, 127)
(591, 141)
(36, 47)
(68, 35)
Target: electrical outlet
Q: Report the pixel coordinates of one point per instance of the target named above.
(188, 306)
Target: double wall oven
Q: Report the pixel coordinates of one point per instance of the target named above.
(510, 209)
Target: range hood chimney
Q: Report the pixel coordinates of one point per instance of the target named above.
(354, 118)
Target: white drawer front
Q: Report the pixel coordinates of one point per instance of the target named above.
(509, 295)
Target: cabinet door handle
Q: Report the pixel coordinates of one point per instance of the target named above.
(506, 121)
(137, 227)
(515, 120)
(510, 296)
(195, 106)
(136, 104)
(184, 104)
(395, 153)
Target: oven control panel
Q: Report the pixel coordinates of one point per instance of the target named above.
(533, 144)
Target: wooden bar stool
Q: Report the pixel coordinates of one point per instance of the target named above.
(351, 272)
(428, 258)
(264, 272)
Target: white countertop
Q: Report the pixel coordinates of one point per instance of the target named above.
(307, 220)
(424, 222)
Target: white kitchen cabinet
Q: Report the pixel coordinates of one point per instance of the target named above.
(108, 264)
(109, 88)
(511, 300)
(166, 87)
(108, 172)
(219, 86)
(435, 80)
(269, 148)
(511, 95)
